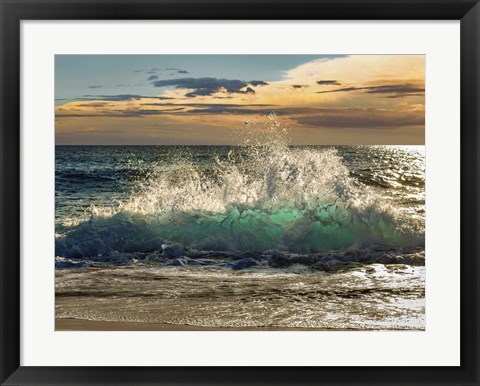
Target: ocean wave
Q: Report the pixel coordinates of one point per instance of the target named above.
(290, 230)
(176, 255)
(263, 196)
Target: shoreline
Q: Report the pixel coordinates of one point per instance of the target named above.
(71, 324)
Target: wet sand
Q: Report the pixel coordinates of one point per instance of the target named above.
(92, 325)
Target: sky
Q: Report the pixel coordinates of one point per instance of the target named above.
(205, 99)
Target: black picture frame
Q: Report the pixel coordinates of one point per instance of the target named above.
(13, 11)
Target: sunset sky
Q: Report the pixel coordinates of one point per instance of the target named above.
(202, 99)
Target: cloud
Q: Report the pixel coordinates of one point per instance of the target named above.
(395, 89)
(361, 118)
(117, 85)
(159, 108)
(140, 112)
(163, 98)
(344, 89)
(328, 82)
(228, 108)
(258, 83)
(152, 77)
(90, 105)
(116, 98)
(119, 113)
(357, 99)
(333, 118)
(157, 69)
(403, 95)
(209, 104)
(398, 90)
(209, 86)
(177, 70)
(119, 98)
(216, 108)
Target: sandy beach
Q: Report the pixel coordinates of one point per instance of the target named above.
(92, 325)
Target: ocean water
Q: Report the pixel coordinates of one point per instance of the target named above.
(255, 235)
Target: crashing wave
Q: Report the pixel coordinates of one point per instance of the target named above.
(264, 195)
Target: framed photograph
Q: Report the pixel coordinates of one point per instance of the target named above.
(271, 193)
